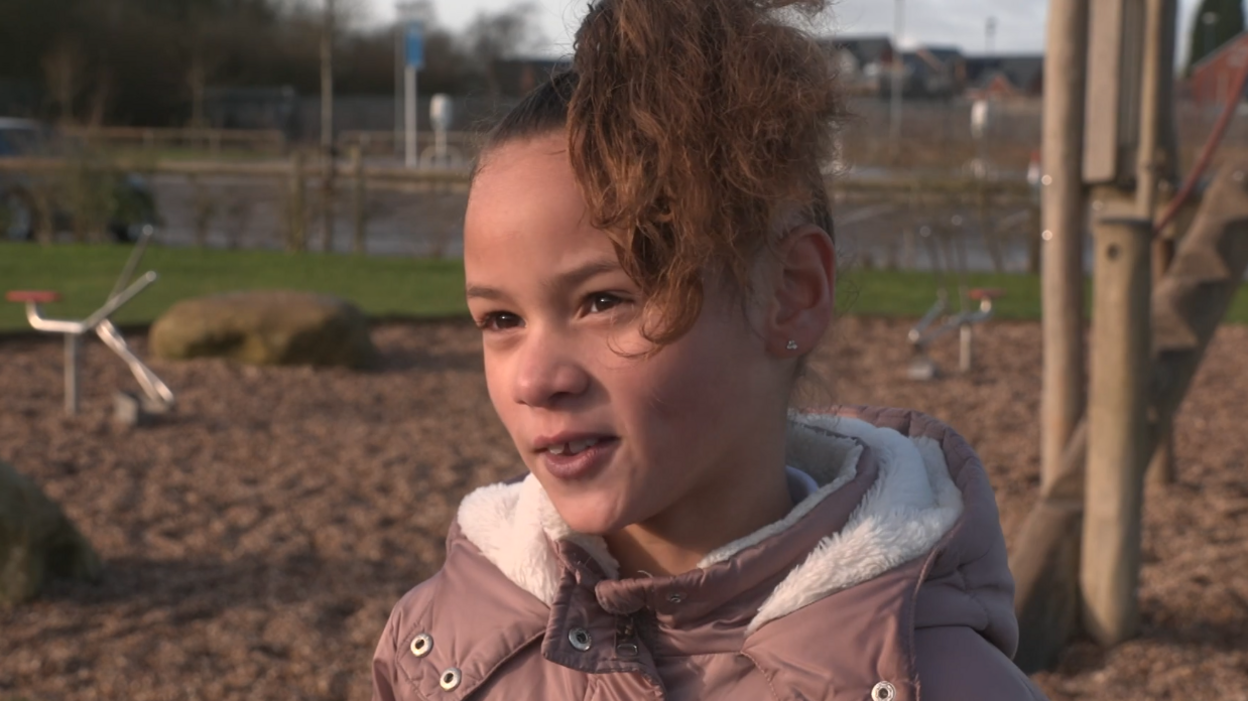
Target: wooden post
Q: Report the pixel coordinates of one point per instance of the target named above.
(1161, 467)
(327, 200)
(991, 240)
(296, 239)
(1035, 240)
(1117, 429)
(1148, 166)
(359, 200)
(1187, 307)
(327, 127)
(44, 214)
(1160, 134)
(966, 347)
(1063, 221)
(202, 208)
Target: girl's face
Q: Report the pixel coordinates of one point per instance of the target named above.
(614, 439)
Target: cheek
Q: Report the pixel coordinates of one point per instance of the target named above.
(496, 383)
(690, 384)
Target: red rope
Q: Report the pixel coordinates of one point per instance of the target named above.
(1233, 99)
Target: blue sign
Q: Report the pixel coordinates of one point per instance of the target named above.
(414, 41)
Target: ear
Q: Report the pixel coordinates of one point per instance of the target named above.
(803, 291)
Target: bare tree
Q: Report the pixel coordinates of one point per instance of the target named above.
(63, 69)
(507, 34)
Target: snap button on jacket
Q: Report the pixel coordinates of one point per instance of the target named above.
(887, 584)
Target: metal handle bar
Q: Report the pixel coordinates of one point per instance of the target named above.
(78, 328)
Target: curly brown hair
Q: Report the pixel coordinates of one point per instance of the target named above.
(693, 126)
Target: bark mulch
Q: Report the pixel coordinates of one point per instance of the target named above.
(256, 540)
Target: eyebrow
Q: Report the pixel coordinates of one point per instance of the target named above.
(572, 278)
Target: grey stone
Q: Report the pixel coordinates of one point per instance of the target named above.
(268, 327)
(37, 541)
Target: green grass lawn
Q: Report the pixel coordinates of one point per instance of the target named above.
(84, 275)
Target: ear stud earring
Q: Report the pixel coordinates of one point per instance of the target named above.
(791, 345)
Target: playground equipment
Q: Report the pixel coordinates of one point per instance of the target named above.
(1160, 294)
(943, 254)
(157, 397)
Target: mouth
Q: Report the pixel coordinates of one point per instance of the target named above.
(574, 447)
(578, 458)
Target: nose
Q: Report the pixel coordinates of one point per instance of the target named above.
(548, 372)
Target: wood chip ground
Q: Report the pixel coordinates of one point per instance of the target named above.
(255, 542)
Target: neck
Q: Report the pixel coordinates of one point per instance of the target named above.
(675, 541)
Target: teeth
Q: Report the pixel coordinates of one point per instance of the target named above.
(573, 448)
(580, 446)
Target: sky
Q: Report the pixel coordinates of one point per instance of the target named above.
(1020, 23)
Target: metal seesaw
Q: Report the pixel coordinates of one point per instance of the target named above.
(157, 397)
(942, 253)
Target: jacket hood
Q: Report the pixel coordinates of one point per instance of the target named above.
(909, 509)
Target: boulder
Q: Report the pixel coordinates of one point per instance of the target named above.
(268, 327)
(37, 541)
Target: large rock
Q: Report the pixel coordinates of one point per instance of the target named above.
(37, 541)
(270, 327)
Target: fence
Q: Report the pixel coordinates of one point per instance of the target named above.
(937, 136)
(934, 135)
(257, 142)
(363, 206)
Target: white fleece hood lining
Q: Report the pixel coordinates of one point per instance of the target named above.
(910, 507)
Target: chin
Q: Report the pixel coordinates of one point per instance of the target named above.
(586, 515)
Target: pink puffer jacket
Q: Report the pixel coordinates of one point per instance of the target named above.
(887, 583)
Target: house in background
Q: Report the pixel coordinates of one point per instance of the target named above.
(934, 73)
(1214, 76)
(862, 63)
(1004, 77)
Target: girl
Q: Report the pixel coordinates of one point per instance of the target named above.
(648, 253)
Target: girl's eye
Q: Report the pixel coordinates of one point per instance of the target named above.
(599, 302)
(499, 321)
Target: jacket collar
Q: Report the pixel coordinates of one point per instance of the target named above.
(894, 500)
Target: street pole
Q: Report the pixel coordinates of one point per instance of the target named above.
(410, 116)
(899, 68)
(990, 31)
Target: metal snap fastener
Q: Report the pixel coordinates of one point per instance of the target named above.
(627, 650)
(579, 637)
(422, 644)
(884, 692)
(675, 597)
(450, 679)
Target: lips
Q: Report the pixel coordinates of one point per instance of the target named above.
(576, 456)
(569, 443)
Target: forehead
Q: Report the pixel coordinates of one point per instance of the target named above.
(532, 163)
(525, 202)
